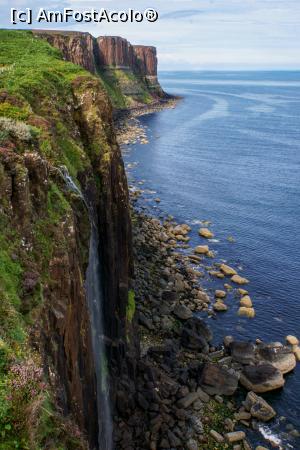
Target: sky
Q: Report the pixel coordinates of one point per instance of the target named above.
(197, 34)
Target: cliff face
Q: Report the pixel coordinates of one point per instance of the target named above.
(129, 72)
(61, 118)
(75, 47)
(115, 51)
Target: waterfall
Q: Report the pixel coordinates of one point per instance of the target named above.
(94, 292)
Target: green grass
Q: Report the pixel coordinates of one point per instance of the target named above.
(130, 310)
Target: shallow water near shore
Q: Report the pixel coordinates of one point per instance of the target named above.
(230, 153)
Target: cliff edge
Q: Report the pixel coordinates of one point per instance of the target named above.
(128, 72)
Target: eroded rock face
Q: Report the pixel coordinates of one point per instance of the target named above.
(52, 243)
(76, 47)
(107, 52)
(115, 51)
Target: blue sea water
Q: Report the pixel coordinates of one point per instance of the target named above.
(230, 153)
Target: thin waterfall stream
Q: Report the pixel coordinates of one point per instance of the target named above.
(94, 292)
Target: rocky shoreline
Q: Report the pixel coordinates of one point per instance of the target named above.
(194, 394)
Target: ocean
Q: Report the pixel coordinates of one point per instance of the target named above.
(229, 153)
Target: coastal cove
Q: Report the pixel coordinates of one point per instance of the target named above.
(229, 154)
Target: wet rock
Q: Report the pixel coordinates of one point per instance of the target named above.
(227, 270)
(242, 292)
(202, 249)
(182, 312)
(239, 280)
(206, 233)
(279, 356)
(292, 340)
(220, 294)
(296, 350)
(261, 378)
(220, 306)
(217, 380)
(242, 352)
(246, 301)
(258, 407)
(246, 312)
(228, 340)
(235, 436)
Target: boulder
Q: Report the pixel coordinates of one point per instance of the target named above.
(239, 280)
(216, 436)
(246, 301)
(292, 340)
(220, 306)
(246, 312)
(182, 312)
(196, 335)
(242, 352)
(202, 249)
(188, 400)
(227, 270)
(261, 378)
(258, 407)
(217, 380)
(242, 292)
(296, 350)
(206, 233)
(220, 294)
(279, 356)
(235, 436)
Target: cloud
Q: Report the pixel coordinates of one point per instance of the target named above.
(193, 34)
(181, 14)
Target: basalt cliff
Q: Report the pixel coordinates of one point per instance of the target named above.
(128, 72)
(56, 126)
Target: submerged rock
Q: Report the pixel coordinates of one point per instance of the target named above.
(239, 280)
(261, 378)
(202, 249)
(246, 312)
(206, 233)
(220, 294)
(246, 301)
(258, 407)
(220, 306)
(227, 270)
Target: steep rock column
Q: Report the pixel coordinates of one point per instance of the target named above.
(115, 51)
(146, 64)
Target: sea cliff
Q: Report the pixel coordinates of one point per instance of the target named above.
(128, 72)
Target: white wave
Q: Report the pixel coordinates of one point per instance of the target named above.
(268, 434)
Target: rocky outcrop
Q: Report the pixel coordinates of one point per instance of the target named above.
(136, 65)
(76, 47)
(115, 51)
